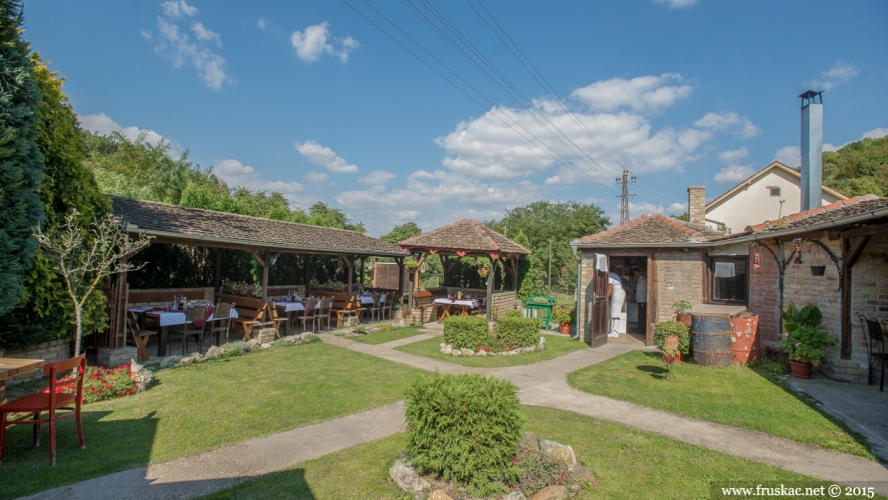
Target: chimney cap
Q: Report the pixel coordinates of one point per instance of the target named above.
(811, 95)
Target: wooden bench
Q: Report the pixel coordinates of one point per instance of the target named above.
(278, 291)
(250, 312)
(424, 300)
(163, 297)
(344, 305)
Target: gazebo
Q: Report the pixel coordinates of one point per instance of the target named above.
(467, 238)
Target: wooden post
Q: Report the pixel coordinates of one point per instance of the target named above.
(443, 269)
(217, 273)
(850, 254)
(400, 279)
(490, 280)
(514, 261)
(351, 271)
(264, 281)
(307, 259)
(362, 272)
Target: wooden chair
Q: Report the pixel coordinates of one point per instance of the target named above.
(875, 348)
(251, 313)
(194, 314)
(387, 306)
(425, 300)
(310, 313)
(271, 314)
(345, 306)
(376, 307)
(323, 311)
(221, 323)
(50, 401)
(139, 336)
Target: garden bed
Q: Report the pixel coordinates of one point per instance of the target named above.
(556, 345)
(383, 336)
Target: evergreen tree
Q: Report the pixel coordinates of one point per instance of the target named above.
(45, 311)
(21, 167)
(525, 280)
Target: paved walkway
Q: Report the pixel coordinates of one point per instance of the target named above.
(540, 384)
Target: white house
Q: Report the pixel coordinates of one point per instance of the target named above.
(771, 193)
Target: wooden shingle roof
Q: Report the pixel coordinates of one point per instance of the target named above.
(467, 236)
(195, 226)
(649, 229)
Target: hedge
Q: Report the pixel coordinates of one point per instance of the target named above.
(466, 332)
(519, 332)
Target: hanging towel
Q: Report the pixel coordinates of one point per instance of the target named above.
(724, 270)
(601, 262)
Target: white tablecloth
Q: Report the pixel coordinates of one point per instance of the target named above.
(468, 303)
(172, 318)
(366, 301)
(290, 306)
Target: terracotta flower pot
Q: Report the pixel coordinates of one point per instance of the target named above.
(684, 318)
(483, 272)
(565, 328)
(671, 359)
(800, 370)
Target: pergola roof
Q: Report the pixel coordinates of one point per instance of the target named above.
(464, 237)
(209, 228)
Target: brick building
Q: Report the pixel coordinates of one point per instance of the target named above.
(764, 268)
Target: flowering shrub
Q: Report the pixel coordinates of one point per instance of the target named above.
(802, 339)
(100, 384)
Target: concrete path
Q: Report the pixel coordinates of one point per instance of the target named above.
(540, 384)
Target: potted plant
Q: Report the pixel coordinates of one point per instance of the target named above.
(410, 265)
(562, 316)
(672, 335)
(671, 355)
(681, 309)
(314, 284)
(803, 340)
(483, 266)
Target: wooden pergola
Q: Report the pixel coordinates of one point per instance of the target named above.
(467, 238)
(265, 239)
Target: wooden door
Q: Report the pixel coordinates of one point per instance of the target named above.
(597, 312)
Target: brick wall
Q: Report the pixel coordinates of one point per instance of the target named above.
(503, 301)
(585, 292)
(209, 294)
(679, 277)
(869, 296)
(764, 288)
(697, 206)
(49, 352)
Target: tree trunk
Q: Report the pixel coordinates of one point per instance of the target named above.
(78, 313)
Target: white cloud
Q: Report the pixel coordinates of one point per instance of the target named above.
(324, 157)
(377, 177)
(146, 34)
(876, 133)
(206, 34)
(840, 73)
(311, 44)
(177, 46)
(102, 124)
(676, 4)
(316, 177)
(791, 156)
(643, 93)
(740, 125)
(235, 173)
(177, 9)
(637, 209)
(733, 174)
(733, 156)
(262, 23)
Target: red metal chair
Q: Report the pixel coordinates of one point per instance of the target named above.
(50, 401)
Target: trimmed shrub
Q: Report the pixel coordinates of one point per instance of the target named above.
(666, 329)
(386, 327)
(519, 332)
(466, 332)
(232, 349)
(465, 428)
(513, 313)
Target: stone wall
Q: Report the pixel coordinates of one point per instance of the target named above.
(869, 296)
(503, 300)
(49, 352)
(209, 294)
(679, 277)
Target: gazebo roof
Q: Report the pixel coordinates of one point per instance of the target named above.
(209, 228)
(464, 237)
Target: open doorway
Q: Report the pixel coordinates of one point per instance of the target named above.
(631, 319)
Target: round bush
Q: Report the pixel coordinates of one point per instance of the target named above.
(518, 332)
(466, 332)
(465, 428)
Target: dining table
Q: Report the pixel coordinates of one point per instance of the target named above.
(165, 318)
(10, 367)
(287, 308)
(464, 306)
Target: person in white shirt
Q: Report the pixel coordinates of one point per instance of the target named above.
(641, 297)
(617, 296)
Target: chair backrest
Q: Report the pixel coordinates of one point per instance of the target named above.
(78, 364)
(196, 313)
(311, 304)
(875, 339)
(325, 306)
(131, 322)
(223, 311)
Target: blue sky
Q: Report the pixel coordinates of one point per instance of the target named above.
(312, 100)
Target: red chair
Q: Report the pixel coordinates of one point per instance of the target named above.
(50, 401)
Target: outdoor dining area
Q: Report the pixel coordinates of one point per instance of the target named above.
(170, 320)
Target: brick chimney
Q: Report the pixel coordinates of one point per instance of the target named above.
(697, 206)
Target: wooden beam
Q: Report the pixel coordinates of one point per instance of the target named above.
(443, 269)
(455, 262)
(362, 271)
(307, 259)
(490, 281)
(258, 259)
(351, 272)
(810, 235)
(865, 231)
(400, 263)
(834, 235)
(217, 273)
(514, 272)
(845, 304)
(855, 250)
(264, 279)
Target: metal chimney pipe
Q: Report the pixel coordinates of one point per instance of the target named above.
(812, 149)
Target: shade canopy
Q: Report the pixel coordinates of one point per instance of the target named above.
(464, 238)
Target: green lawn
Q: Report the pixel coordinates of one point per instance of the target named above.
(737, 396)
(205, 406)
(383, 337)
(628, 464)
(555, 346)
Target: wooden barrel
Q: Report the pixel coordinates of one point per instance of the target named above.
(746, 345)
(711, 339)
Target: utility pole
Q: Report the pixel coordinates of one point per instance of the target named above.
(550, 266)
(624, 202)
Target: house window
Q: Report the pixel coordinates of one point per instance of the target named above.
(775, 191)
(729, 280)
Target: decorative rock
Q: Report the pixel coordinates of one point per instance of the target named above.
(575, 488)
(456, 352)
(580, 473)
(170, 361)
(439, 495)
(481, 353)
(530, 442)
(552, 493)
(515, 495)
(186, 360)
(560, 453)
(374, 330)
(543, 341)
(135, 368)
(467, 352)
(267, 345)
(447, 350)
(252, 343)
(401, 322)
(513, 352)
(442, 345)
(529, 349)
(213, 352)
(406, 477)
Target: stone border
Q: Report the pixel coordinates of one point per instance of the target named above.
(448, 350)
